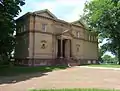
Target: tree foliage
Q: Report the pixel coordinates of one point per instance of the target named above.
(110, 60)
(101, 53)
(103, 16)
(9, 9)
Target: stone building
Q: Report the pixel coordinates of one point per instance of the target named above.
(43, 39)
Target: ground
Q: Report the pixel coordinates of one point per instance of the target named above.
(76, 89)
(105, 65)
(75, 77)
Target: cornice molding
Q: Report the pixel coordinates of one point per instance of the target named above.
(49, 33)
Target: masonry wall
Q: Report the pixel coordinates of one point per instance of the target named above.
(78, 29)
(77, 48)
(38, 24)
(90, 50)
(21, 48)
(22, 39)
(43, 50)
(38, 38)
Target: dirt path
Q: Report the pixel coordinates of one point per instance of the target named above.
(76, 77)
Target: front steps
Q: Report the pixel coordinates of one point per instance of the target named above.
(66, 61)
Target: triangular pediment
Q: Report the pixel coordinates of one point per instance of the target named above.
(45, 13)
(67, 33)
(79, 23)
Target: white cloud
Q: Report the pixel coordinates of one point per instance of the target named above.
(74, 14)
(69, 10)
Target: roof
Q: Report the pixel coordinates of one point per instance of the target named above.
(77, 23)
(53, 17)
(45, 11)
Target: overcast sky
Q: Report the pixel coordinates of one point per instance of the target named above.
(68, 10)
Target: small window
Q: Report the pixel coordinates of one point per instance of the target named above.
(78, 34)
(44, 27)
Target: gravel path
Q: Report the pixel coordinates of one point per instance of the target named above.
(75, 77)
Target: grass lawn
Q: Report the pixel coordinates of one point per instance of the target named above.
(76, 90)
(17, 70)
(106, 65)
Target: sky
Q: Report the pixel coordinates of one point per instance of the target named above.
(68, 10)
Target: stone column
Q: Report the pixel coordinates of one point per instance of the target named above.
(67, 48)
(61, 49)
(70, 48)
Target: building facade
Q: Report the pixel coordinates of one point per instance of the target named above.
(43, 39)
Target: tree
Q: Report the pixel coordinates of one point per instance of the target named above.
(101, 52)
(115, 60)
(115, 1)
(107, 59)
(9, 9)
(103, 17)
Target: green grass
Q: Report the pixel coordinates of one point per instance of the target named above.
(76, 90)
(17, 70)
(105, 65)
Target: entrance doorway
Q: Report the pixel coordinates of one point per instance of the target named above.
(66, 51)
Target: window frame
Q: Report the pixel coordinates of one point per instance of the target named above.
(44, 27)
(78, 34)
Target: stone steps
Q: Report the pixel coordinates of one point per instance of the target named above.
(65, 61)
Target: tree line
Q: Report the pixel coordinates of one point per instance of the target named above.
(103, 17)
(9, 9)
